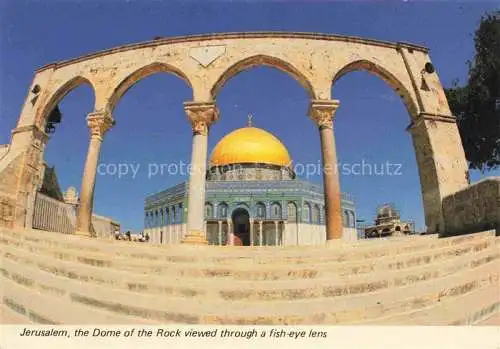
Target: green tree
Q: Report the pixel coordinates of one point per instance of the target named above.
(477, 105)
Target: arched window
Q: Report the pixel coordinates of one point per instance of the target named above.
(260, 210)
(292, 212)
(306, 212)
(315, 214)
(156, 219)
(222, 210)
(167, 216)
(275, 210)
(209, 210)
(161, 217)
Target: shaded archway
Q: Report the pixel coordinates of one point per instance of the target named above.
(241, 227)
(45, 109)
(384, 74)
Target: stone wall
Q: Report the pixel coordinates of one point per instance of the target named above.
(473, 209)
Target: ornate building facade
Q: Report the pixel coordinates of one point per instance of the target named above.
(253, 198)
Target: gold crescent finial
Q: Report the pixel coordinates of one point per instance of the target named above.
(250, 120)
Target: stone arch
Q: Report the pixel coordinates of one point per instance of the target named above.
(130, 80)
(57, 96)
(383, 73)
(262, 60)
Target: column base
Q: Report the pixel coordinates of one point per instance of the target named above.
(195, 238)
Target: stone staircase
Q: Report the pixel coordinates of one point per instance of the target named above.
(65, 279)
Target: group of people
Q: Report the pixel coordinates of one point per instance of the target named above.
(128, 236)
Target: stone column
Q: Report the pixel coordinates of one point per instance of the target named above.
(251, 231)
(276, 230)
(322, 112)
(219, 235)
(99, 123)
(260, 233)
(201, 115)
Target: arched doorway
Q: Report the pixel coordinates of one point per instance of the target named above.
(241, 227)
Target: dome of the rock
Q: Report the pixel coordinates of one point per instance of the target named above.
(250, 145)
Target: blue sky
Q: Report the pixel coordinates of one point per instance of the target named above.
(151, 124)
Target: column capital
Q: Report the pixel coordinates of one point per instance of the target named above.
(99, 123)
(323, 111)
(201, 115)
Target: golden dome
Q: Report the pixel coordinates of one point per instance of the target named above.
(250, 145)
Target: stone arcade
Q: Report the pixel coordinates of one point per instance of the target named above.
(408, 280)
(206, 63)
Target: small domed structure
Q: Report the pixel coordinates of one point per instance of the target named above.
(388, 223)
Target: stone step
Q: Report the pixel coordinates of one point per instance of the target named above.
(9, 316)
(305, 311)
(53, 305)
(329, 285)
(258, 272)
(230, 255)
(469, 308)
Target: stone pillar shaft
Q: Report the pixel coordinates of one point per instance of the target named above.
(99, 123)
(201, 116)
(322, 112)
